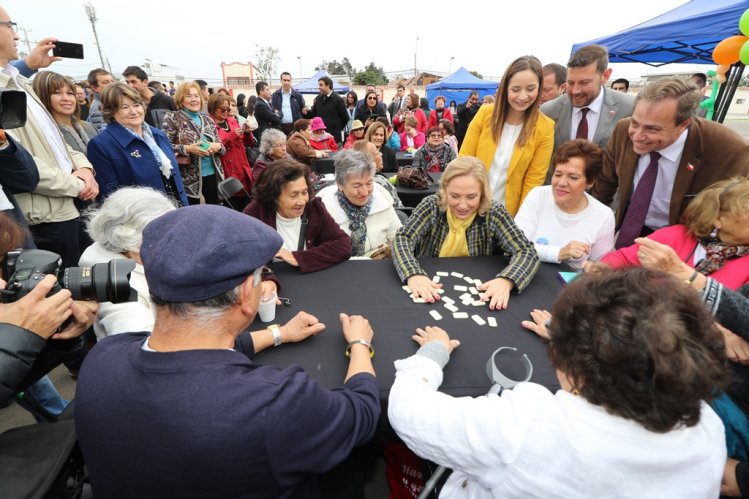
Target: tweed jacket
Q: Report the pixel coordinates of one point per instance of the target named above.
(426, 229)
(53, 200)
(181, 131)
(712, 152)
(528, 164)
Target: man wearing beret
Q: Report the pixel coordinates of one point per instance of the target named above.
(185, 412)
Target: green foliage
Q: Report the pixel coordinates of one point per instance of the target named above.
(371, 75)
(337, 68)
(266, 61)
(476, 74)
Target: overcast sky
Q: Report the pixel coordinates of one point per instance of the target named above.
(197, 36)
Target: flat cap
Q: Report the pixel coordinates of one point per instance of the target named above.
(200, 252)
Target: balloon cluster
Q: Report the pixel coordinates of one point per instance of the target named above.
(729, 51)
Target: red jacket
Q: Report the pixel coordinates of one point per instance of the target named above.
(326, 243)
(327, 144)
(433, 121)
(234, 159)
(421, 120)
(418, 140)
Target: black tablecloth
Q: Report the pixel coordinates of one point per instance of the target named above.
(412, 197)
(404, 158)
(372, 289)
(324, 165)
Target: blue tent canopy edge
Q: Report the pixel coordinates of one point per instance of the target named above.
(458, 86)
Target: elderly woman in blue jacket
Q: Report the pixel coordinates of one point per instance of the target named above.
(129, 151)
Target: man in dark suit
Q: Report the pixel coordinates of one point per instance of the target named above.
(688, 154)
(588, 99)
(466, 112)
(330, 107)
(266, 116)
(398, 101)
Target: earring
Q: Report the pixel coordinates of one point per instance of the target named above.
(714, 233)
(575, 392)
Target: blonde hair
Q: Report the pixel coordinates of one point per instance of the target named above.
(371, 129)
(183, 91)
(502, 105)
(462, 166)
(724, 197)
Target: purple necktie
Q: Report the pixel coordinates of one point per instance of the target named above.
(582, 127)
(639, 203)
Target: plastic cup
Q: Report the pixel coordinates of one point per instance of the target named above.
(267, 309)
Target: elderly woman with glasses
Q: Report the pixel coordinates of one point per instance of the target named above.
(272, 147)
(234, 138)
(195, 142)
(131, 152)
(435, 154)
(284, 200)
(360, 206)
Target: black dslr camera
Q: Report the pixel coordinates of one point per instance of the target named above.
(108, 281)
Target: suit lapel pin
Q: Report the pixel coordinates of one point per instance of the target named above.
(135, 154)
(690, 167)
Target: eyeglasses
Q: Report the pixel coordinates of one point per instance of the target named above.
(11, 25)
(371, 98)
(225, 109)
(435, 136)
(280, 145)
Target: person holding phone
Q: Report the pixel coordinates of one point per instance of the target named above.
(197, 145)
(368, 112)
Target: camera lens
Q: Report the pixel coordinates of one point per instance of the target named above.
(101, 282)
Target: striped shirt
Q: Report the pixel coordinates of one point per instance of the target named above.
(492, 234)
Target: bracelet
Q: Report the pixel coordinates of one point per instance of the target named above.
(276, 331)
(689, 281)
(360, 342)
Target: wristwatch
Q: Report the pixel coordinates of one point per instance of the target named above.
(275, 329)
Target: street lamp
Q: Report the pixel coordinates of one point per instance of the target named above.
(450, 66)
(416, 51)
(300, 66)
(91, 13)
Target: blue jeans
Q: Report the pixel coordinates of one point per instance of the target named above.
(45, 393)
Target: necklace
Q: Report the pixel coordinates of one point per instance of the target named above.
(224, 126)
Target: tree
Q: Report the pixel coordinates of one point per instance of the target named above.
(371, 75)
(476, 74)
(266, 61)
(337, 68)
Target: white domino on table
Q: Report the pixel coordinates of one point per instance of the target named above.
(460, 315)
(469, 280)
(466, 296)
(478, 303)
(451, 307)
(436, 279)
(456, 274)
(473, 290)
(419, 300)
(477, 282)
(435, 315)
(440, 291)
(407, 289)
(442, 274)
(492, 321)
(447, 299)
(459, 287)
(478, 320)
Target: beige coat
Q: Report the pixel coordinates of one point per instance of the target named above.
(53, 198)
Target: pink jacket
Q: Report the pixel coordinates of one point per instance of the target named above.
(418, 140)
(733, 274)
(433, 121)
(419, 116)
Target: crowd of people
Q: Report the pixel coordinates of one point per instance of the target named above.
(647, 200)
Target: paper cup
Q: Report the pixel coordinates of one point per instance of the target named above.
(267, 309)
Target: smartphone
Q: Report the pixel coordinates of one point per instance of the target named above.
(568, 277)
(68, 50)
(204, 145)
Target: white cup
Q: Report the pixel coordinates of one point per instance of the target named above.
(267, 309)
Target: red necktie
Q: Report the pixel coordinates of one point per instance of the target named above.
(582, 127)
(639, 204)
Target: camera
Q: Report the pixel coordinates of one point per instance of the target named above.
(101, 282)
(12, 109)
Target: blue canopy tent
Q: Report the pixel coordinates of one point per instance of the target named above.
(310, 86)
(687, 34)
(458, 86)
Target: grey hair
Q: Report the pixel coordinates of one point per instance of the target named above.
(266, 141)
(349, 163)
(204, 311)
(118, 223)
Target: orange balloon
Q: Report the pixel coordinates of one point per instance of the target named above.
(720, 78)
(727, 51)
(722, 69)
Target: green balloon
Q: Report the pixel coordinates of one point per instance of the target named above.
(744, 23)
(744, 53)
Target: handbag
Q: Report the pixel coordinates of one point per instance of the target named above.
(414, 177)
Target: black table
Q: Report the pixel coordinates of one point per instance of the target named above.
(404, 158)
(412, 197)
(324, 165)
(372, 289)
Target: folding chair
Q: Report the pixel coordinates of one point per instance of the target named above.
(230, 186)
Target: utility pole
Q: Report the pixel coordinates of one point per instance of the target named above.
(26, 38)
(416, 51)
(91, 13)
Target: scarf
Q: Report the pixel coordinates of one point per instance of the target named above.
(436, 158)
(456, 243)
(357, 216)
(79, 135)
(718, 253)
(161, 159)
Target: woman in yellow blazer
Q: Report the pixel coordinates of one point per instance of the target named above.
(512, 137)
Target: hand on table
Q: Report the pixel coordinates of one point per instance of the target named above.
(301, 327)
(574, 250)
(434, 333)
(42, 316)
(730, 487)
(356, 327)
(287, 256)
(423, 287)
(497, 292)
(84, 314)
(737, 349)
(594, 267)
(269, 288)
(538, 325)
(90, 186)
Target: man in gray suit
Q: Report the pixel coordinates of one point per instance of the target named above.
(589, 110)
